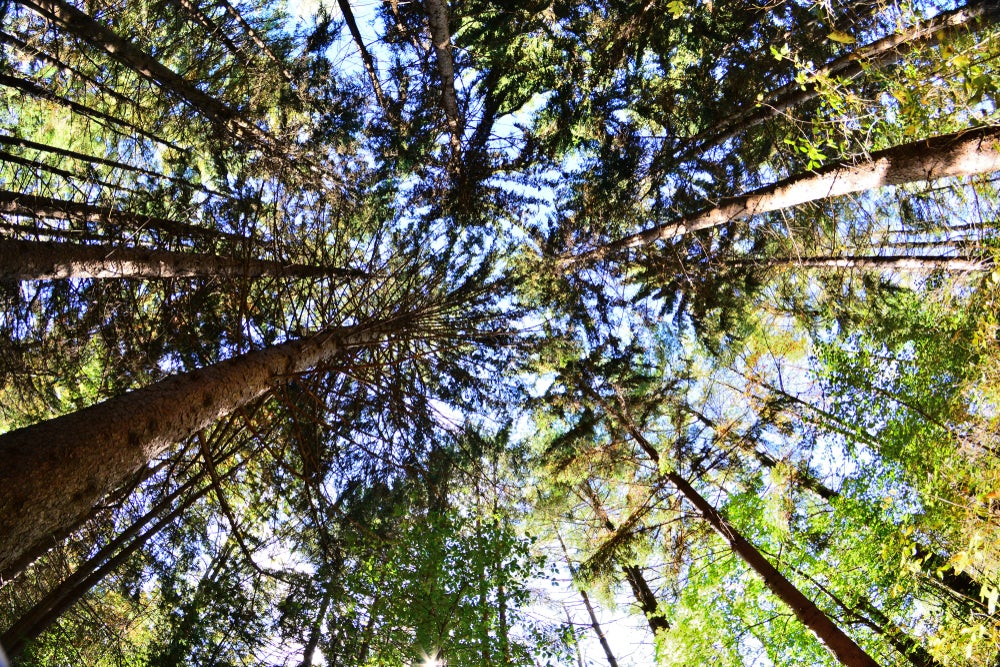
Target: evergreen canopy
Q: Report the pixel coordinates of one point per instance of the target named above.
(435, 332)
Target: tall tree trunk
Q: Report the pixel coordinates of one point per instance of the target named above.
(644, 595)
(842, 646)
(963, 153)
(36, 206)
(55, 471)
(590, 608)
(438, 20)
(913, 263)
(880, 53)
(77, 23)
(44, 260)
(256, 39)
(597, 629)
(317, 628)
(366, 56)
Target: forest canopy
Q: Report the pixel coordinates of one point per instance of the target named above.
(443, 332)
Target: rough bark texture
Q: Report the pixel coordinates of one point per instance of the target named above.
(964, 153)
(40, 260)
(54, 472)
(37, 619)
(437, 19)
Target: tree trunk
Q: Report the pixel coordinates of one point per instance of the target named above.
(964, 153)
(644, 595)
(880, 53)
(35, 206)
(55, 471)
(77, 23)
(366, 56)
(925, 263)
(38, 619)
(42, 260)
(842, 646)
(437, 19)
(597, 629)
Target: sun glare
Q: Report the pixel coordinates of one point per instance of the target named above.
(430, 660)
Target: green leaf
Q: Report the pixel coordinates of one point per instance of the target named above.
(841, 37)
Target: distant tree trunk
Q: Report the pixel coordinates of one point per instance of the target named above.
(75, 22)
(55, 471)
(43, 260)
(366, 56)
(880, 53)
(964, 153)
(913, 263)
(597, 629)
(438, 20)
(35, 206)
(257, 39)
(644, 595)
(842, 646)
(317, 628)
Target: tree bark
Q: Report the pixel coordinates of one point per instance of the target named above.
(37, 619)
(366, 56)
(106, 120)
(644, 595)
(43, 260)
(963, 153)
(55, 471)
(36, 206)
(75, 22)
(912, 263)
(437, 19)
(842, 646)
(597, 629)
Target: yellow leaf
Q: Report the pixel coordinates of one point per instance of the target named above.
(841, 37)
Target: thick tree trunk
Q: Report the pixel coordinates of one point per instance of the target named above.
(37, 619)
(964, 153)
(41, 260)
(35, 206)
(880, 53)
(54, 472)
